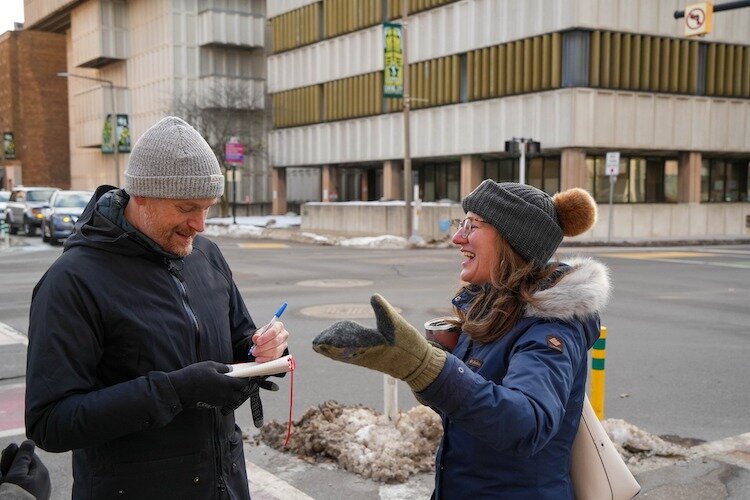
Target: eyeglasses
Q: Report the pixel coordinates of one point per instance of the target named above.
(465, 227)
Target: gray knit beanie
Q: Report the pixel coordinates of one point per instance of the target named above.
(531, 221)
(172, 160)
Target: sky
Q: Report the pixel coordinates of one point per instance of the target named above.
(11, 11)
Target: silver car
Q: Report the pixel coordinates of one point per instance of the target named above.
(23, 209)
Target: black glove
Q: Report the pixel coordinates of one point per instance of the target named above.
(22, 467)
(204, 385)
(252, 391)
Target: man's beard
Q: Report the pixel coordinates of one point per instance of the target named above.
(163, 236)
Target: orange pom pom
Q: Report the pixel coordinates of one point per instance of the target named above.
(576, 210)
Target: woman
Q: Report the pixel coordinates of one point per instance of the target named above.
(511, 392)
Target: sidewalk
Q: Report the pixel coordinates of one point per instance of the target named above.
(719, 470)
(722, 473)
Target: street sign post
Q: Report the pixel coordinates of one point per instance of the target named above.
(234, 156)
(612, 167)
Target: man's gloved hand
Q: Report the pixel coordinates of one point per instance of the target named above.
(22, 467)
(204, 385)
(252, 391)
(395, 348)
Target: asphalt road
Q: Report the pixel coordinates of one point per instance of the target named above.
(678, 335)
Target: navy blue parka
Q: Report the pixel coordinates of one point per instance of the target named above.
(112, 315)
(511, 408)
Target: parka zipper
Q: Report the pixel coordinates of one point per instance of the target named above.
(175, 271)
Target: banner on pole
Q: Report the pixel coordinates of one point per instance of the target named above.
(393, 67)
(122, 135)
(9, 146)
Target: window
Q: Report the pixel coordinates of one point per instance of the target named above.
(724, 180)
(541, 172)
(501, 170)
(640, 180)
(544, 173)
(439, 181)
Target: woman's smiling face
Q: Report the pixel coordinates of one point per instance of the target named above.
(479, 242)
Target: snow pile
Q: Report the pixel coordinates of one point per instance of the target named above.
(641, 450)
(286, 227)
(365, 442)
(362, 440)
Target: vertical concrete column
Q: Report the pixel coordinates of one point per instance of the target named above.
(364, 186)
(278, 186)
(689, 177)
(573, 169)
(392, 184)
(329, 179)
(472, 173)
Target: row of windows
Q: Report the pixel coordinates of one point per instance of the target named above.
(330, 18)
(555, 60)
(661, 64)
(640, 180)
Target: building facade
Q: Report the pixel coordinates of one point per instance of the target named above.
(582, 78)
(202, 60)
(33, 111)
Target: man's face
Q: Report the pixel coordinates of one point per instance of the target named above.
(172, 224)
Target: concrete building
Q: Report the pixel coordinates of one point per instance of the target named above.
(202, 60)
(580, 77)
(33, 110)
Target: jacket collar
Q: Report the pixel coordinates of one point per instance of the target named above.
(583, 291)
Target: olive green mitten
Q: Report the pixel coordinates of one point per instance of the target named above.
(395, 348)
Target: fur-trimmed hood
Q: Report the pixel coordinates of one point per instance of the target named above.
(582, 292)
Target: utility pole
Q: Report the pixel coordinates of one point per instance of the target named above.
(407, 134)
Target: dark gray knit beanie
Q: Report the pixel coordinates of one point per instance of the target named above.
(525, 216)
(172, 160)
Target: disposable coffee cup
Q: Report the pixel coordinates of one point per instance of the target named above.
(441, 330)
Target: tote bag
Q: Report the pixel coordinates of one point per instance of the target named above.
(597, 470)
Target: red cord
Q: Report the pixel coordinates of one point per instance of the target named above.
(292, 366)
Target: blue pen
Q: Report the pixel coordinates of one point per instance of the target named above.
(276, 316)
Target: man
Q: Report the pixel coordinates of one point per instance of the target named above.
(131, 330)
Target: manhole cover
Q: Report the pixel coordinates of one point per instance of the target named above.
(341, 311)
(335, 283)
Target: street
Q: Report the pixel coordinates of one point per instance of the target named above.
(677, 347)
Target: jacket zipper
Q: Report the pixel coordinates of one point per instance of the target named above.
(174, 270)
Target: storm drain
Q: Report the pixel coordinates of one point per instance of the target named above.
(341, 311)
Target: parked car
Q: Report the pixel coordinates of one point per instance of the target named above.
(4, 196)
(61, 214)
(23, 209)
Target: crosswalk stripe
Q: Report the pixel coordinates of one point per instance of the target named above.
(9, 335)
(266, 486)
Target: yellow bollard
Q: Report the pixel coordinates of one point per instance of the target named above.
(598, 354)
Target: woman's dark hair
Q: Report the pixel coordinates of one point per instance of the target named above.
(498, 305)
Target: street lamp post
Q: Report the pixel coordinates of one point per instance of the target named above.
(407, 132)
(115, 144)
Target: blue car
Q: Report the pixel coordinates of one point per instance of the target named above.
(62, 212)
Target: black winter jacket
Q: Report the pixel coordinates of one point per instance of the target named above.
(108, 319)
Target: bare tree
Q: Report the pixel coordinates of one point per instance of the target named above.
(221, 108)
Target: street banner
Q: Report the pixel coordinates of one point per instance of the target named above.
(9, 146)
(107, 135)
(123, 132)
(393, 77)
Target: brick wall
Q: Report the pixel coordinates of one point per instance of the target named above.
(34, 105)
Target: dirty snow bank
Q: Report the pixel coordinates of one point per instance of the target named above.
(365, 442)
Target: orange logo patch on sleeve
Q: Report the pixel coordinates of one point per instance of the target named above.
(555, 343)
